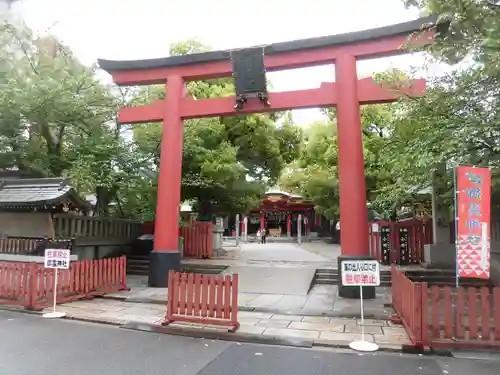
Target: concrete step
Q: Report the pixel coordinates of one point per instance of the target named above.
(138, 261)
(139, 265)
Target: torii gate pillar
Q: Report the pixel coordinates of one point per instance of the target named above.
(166, 255)
(353, 210)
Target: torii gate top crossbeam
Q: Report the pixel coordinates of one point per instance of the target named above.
(382, 41)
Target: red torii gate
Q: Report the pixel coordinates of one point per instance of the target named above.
(347, 93)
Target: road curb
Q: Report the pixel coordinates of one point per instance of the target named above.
(367, 314)
(241, 337)
(113, 322)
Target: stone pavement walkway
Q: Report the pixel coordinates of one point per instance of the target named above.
(321, 300)
(322, 330)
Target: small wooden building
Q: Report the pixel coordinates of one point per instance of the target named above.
(28, 205)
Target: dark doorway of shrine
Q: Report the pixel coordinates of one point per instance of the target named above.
(248, 68)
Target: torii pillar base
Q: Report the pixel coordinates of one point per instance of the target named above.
(160, 263)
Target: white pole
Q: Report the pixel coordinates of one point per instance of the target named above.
(363, 346)
(56, 271)
(245, 234)
(362, 314)
(54, 313)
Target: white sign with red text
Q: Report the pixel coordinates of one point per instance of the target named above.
(360, 273)
(57, 258)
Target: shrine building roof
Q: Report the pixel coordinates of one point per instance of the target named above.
(277, 191)
(276, 48)
(33, 192)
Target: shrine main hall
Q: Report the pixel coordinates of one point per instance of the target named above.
(279, 212)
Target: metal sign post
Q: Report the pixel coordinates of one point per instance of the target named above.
(56, 259)
(361, 273)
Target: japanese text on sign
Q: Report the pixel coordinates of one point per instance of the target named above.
(360, 273)
(473, 234)
(57, 258)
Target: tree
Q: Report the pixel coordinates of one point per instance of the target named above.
(474, 28)
(456, 121)
(315, 173)
(57, 118)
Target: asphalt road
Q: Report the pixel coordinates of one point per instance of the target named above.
(32, 345)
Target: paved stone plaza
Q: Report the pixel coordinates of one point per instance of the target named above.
(275, 298)
(321, 300)
(276, 277)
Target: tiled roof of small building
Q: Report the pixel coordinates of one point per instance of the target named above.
(277, 191)
(38, 192)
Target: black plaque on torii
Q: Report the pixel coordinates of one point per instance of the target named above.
(249, 75)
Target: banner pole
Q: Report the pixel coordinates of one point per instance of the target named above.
(455, 222)
(457, 276)
(55, 290)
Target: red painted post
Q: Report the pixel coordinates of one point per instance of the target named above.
(353, 210)
(165, 255)
(317, 220)
(262, 220)
(32, 273)
(169, 179)
(289, 225)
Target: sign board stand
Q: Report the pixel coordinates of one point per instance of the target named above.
(361, 273)
(363, 346)
(56, 259)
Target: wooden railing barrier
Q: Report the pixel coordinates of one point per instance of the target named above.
(463, 317)
(71, 226)
(31, 285)
(203, 299)
(32, 245)
(198, 240)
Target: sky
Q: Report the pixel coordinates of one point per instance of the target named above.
(130, 29)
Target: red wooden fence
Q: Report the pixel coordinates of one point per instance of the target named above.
(407, 302)
(401, 243)
(31, 285)
(198, 240)
(474, 322)
(204, 299)
(464, 317)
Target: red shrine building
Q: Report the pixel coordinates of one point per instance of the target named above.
(279, 212)
(248, 67)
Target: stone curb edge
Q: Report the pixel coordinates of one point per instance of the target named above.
(241, 337)
(367, 314)
(112, 322)
(217, 335)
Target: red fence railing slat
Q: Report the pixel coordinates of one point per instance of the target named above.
(203, 299)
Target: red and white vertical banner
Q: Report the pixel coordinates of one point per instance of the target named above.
(473, 226)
